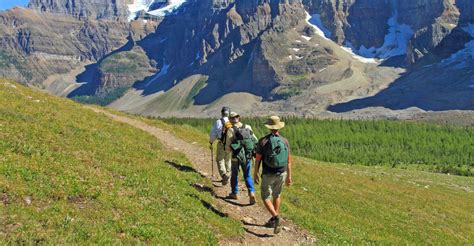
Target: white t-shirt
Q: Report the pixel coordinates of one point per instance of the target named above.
(216, 131)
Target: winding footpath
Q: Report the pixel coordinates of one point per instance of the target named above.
(251, 217)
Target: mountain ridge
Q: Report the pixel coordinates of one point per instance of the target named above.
(268, 50)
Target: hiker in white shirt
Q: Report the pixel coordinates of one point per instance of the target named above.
(218, 133)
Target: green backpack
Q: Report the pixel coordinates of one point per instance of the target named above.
(243, 146)
(275, 152)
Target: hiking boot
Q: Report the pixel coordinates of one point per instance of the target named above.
(277, 225)
(225, 179)
(270, 223)
(232, 196)
(252, 199)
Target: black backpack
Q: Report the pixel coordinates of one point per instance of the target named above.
(225, 127)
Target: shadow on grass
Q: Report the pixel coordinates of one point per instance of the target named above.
(211, 207)
(182, 168)
(203, 188)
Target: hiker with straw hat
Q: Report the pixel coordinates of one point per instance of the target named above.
(273, 151)
(241, 141)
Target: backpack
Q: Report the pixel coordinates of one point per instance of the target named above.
(275, 152)
(225, 127)
(243, 146)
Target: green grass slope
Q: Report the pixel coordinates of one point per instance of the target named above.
(355, 204)
(71, 176)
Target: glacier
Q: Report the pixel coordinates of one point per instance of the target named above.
(465, 54)
(315, 22)
(145, 5)
(395, 42)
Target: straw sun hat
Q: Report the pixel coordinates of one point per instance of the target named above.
(274, 123)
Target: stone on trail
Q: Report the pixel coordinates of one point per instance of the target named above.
(248, 220)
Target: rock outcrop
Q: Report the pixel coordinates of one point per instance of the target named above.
(46, 44)
(83, 8)
(219, 38)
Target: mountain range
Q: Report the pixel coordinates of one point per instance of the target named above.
(324, 58)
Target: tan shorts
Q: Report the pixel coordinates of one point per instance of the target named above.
(272, 184)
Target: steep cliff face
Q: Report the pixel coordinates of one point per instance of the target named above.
(83, 8)
(53, 43)
(373, 27)
(360, 22)
(219, 38)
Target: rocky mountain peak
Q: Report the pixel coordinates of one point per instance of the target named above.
(290, 54)
(83, 8)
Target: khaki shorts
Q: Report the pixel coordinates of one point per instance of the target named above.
(272, 184)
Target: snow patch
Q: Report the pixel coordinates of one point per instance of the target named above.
(306, 37)
(137, 6)
(145, 5)
(358, 57)
(198, 56)
(296, 49)
(315, 22)
(169, 9)
(395, 42)
(469, 29)
(461, 56)
(163, 71)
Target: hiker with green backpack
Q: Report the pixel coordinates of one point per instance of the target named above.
(273, 152)
(241, 141)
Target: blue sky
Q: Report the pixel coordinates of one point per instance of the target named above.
(7, 4)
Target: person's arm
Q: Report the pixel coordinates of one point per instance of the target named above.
(214, 134)
(256, 171)
(289, 178)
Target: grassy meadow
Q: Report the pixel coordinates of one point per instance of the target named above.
(357, 204)
(71, 176)
(444, 149)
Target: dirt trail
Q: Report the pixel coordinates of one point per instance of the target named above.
(251, 217)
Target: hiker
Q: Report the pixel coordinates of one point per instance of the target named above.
(274, 152)
(241, 141)
(218, 132)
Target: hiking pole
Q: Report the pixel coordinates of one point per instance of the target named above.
(212, 162)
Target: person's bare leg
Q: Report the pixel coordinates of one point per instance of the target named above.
(276, 204)
(270, 207)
